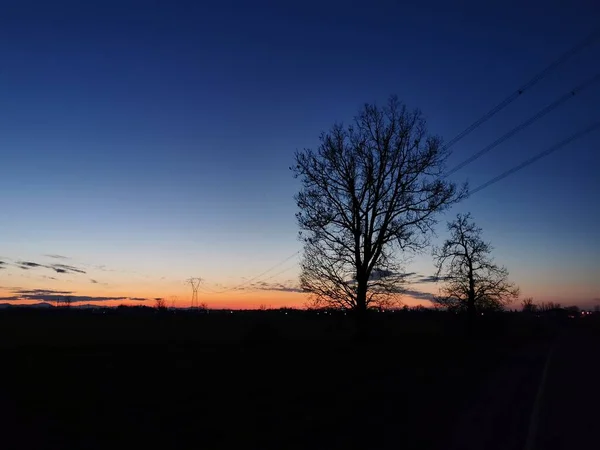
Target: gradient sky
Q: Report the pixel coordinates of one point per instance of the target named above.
(150, 141)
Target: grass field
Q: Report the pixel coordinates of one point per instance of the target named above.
(261, 379)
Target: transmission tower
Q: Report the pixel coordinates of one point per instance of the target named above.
(195, 283)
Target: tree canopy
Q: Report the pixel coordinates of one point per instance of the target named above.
(473, 281)
(369, 193)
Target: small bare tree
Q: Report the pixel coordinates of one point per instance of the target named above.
(160, 303)
(472, 280)
(549, 306)
(370, 192)
(528, 305)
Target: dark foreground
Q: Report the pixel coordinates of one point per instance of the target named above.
(77, 379)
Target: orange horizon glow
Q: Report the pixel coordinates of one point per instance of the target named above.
(179, 296)
(234, 300)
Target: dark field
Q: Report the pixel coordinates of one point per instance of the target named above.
(267, 379)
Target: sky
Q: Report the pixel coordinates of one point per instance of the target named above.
(146, 142)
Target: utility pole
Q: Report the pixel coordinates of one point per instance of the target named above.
(195, 283)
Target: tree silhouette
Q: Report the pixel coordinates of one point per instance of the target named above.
(549, 306)
(370, 192)
(472, 280)
(528, 305)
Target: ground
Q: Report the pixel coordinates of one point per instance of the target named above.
(125, 379)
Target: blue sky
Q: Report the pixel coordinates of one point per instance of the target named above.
(156, 137)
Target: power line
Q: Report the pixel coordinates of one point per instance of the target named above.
(279, 273)
(559, 101)
(206, 290)
(536, 157)
(511, 98)
(250, 280)
(263, 288)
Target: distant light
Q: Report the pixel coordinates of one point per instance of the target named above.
(482, 314)
(286, 313)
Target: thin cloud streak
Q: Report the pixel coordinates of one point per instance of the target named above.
(264, 286)
(54, 256)
(51, 295)
(418, 295)
(58, 268)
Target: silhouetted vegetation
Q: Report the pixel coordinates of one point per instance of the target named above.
(472, 281)
(370, 193)
(528, 306)
(160, 303)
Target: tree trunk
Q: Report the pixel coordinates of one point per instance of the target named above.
(471, 316)
(361, 309)
(471, 312)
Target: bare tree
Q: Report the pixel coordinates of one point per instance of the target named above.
(528, 305)
(160, 303)
(370, 193)
(549, 306)
(472, 280)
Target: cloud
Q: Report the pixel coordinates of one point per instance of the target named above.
(264, 286)
(74, 298)
(93, 281)
(57, 256)
(50, 295)
(429, 279)
(286, 289)
(29, 264)
(419, 295)
(378, 274)
(58, 268)
(63, 268)
(38, 291)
